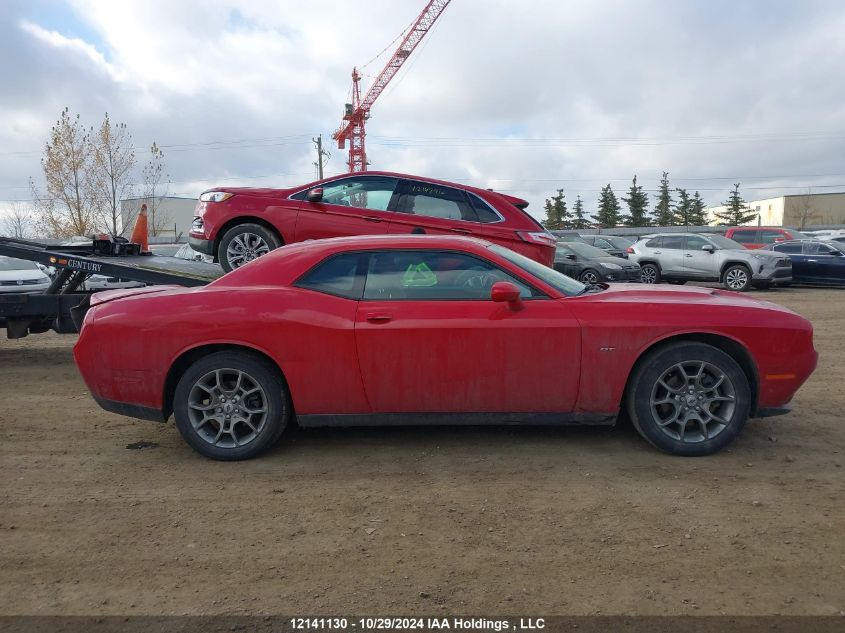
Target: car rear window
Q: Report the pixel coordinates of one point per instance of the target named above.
(744, 237)
(483, 210)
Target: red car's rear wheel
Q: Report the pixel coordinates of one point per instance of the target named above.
(231, 405)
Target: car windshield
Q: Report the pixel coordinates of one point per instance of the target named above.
(10, 263)
(556, 280)
(723, 242)
(585, 250)
(618, 242)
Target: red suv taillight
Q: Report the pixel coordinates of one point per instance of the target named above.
(630, 250)
(538, 237)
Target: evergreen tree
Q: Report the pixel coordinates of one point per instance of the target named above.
(557, 215)
(637, 202)
(607, 215)
(682, 209)
(578, 220)
(662, 213)
(697, 216)
(736, 210)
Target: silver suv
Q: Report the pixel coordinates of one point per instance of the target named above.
(682, 257)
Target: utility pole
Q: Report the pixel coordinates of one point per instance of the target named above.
(321, 154)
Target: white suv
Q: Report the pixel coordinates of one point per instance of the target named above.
(682, 257)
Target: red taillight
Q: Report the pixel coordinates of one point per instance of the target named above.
(630, 250)
(539, 237)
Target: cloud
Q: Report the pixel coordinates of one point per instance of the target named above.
(524, 97)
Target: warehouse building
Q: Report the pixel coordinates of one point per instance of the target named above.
(799, 211)
(168, 216)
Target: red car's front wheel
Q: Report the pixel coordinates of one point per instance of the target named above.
(243, 243)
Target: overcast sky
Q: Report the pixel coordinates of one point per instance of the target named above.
(523, 96)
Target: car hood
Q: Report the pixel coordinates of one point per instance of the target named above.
(256, 191)
(665, 294)
(733, 252)
(26, 274)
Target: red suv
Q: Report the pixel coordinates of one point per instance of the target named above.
(760, 236)
(236, 225)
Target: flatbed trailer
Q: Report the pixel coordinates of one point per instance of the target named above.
(62, 306)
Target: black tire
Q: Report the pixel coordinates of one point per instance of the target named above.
(257, 372)
(644, 386)
(589, 276)
(737, 278)
(676, 282)
(256, 240)
(650, 273)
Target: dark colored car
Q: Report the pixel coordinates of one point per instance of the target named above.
(235, 225)
(612, 245)
(591, 265)
(761, 236)
(814, 262)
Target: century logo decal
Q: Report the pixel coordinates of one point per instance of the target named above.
(83, 265)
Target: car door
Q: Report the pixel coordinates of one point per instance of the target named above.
(771, 236)
(357, 205)
(824, 263)
(671, 258)
(566, 261)
(431, 340)
(428, 208)
(699, 264)
(794, 250)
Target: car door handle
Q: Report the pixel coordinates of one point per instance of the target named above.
(378, 318)
(464, 231)
(688, 255)
(370, 218)
(658, 252)
(812, 261)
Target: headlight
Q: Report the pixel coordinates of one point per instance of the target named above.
(215, 196)
(612, 266)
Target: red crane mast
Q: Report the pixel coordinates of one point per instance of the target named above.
(357, 112)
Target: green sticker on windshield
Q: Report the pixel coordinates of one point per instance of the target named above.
(419, 276)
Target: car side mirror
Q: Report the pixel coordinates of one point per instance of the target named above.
(315, 195)
(571, 256)
(507, 292)
(709, 248)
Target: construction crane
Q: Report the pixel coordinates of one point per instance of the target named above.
(357, 112)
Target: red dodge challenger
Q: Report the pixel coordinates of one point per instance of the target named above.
(385, 330)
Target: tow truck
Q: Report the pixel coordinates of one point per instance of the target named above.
(62, 306)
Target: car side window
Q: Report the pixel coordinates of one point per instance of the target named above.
(434, 276)
(483, 211)
(694, 243)
(817, 248)
(674, 241)
(745, 237)
(435, 201)
(793, 248)
(654, 242)
(361, 192)
(600, 243)
(770, 237)
(339, 275)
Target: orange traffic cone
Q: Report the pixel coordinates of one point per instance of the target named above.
(140, 232)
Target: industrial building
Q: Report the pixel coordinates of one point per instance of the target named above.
(799, 211)
(168, 216)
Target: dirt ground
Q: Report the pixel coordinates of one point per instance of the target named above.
(418, 521)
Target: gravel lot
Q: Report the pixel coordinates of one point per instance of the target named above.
(390, 521)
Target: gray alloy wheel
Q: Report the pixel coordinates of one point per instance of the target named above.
(649, 274)
(244, 248)
(693, 401)
(590, 276)
(243, 243)
(688, 398)
(737, 278)
(227, 408)
(231, 405)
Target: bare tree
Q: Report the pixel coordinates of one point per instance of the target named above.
(70, 206)
(113, 161)
(18, 222)
(156, 184)
(805, 208)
